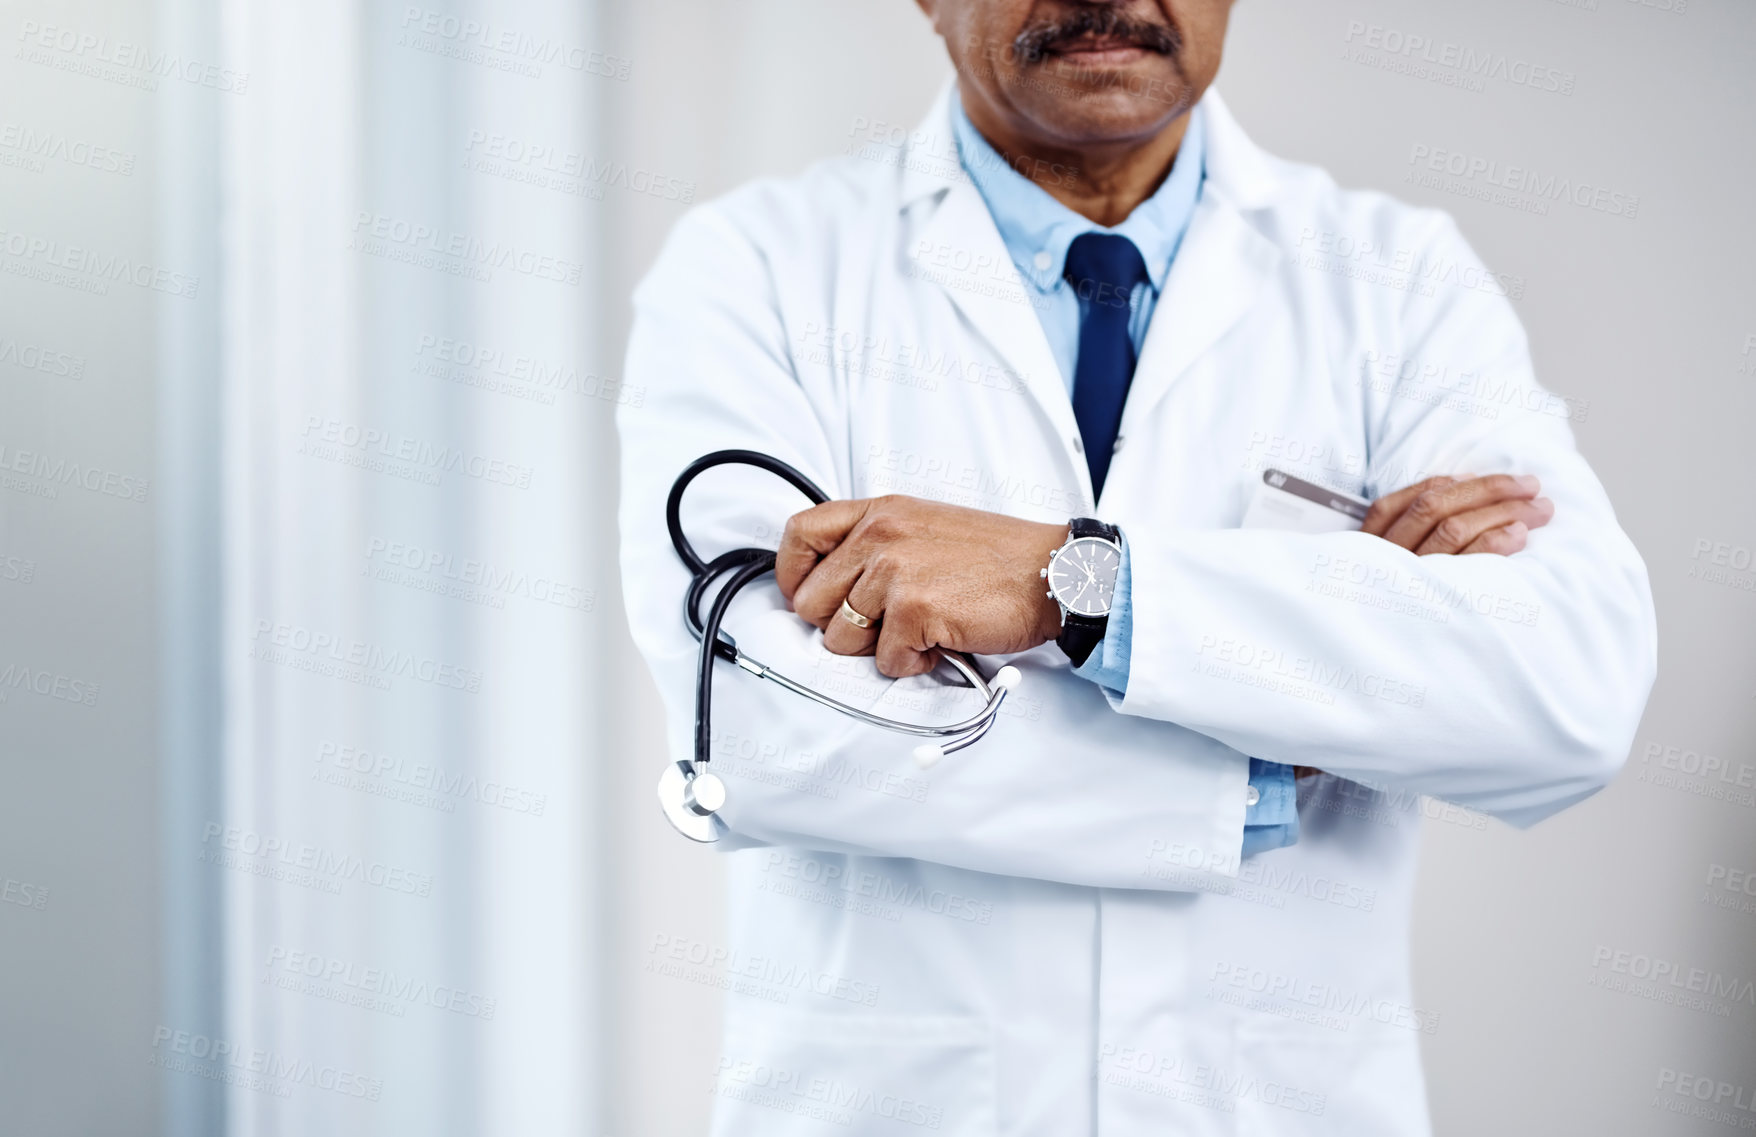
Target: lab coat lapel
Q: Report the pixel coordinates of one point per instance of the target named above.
(1220, 271)
(1218, 276)
(958, 249)
(961, 251)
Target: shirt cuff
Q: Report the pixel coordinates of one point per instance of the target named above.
(1272, 822)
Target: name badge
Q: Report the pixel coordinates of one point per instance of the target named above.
(1282, 501)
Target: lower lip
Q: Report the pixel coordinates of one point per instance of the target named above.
(1106, 56)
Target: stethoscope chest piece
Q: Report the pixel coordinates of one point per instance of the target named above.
(690, 801)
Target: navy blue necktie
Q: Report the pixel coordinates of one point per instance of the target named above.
(1104, 268)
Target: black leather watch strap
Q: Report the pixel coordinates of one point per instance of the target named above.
(1092, 527)
(1080, 635)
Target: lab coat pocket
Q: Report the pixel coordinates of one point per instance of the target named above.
(1297, 1079)
(803, 1075)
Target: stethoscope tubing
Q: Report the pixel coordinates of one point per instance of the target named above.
(981, 719)
(743, 566)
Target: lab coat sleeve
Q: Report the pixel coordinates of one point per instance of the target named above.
(1512, 685)
(1272, 821)
(1061, 789)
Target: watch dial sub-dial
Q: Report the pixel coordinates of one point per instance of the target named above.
(1083, 576)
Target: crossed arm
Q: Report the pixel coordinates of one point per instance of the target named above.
(930, 575)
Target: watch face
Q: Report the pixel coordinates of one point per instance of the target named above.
(1083, 576)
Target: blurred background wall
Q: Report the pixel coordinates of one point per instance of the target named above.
(340, 218)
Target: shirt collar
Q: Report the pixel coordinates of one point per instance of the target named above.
(1037, 229)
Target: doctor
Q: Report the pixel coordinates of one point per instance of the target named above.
(1170, 891)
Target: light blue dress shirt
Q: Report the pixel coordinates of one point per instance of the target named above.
(1037, 230)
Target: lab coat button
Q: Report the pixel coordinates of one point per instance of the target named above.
(1116, 447)
(1252, 795)
(1078, 445)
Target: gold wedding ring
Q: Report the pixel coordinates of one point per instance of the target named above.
(847, 613)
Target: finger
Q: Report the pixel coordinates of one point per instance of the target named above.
(818, 597)
(904, 645)
(841, 635)
(1504, 541)
(811, 535)
(1457, 531)
(1433, 506)
(1389, 507)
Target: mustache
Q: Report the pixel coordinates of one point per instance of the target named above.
(1036, 42)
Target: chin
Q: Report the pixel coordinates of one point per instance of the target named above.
(1113, 114)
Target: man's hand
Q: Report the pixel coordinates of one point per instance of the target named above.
(1457, 515)
(1461, 515)
(931, 576)
(926, 574)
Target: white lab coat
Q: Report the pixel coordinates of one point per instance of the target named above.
(963, 949)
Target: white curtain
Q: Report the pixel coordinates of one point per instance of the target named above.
(416, 456)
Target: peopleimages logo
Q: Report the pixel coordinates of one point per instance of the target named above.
(323, 866)
(1198, 1083)
(1400, 269)
(376, 233)
(763, 976)
(1668, 981)
(1291, 991)
(1479, 393)
(495, 580)
(172, 1050)
(346, 982)
(104, 58)
(96, 269)
(1714, 1091)
(1251, 660)
(399, 455)
(552, 167)
(1464, 61)
(356, 660)
(787, 1089)
(430, 784)
(23, 893)
(472, 37)
(49, 684)
(1523, 180)
(33, 146)
(35, 357)
(839, 887)
(1444, 597)
(49, 473)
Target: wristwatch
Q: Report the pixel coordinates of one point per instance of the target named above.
(1082, 580)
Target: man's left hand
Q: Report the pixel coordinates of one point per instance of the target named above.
(927, 575)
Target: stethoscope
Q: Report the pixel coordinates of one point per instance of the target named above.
(690, 793)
